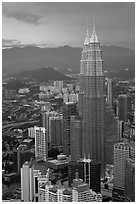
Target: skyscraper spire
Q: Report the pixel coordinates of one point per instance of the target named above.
(94, 38)
(87, 39)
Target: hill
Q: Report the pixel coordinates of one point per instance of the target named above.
(65, 59)
(42, 75)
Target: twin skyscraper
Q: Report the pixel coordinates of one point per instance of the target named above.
(87, 135)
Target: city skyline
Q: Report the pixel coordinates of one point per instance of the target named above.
(57, 24)
(68, 136)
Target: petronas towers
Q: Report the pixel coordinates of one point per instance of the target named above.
(92, 101)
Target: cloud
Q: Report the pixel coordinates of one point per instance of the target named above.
(10, 43)
(24, 17)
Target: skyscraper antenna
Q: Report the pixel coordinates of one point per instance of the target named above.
(93, 21)
(87, 25)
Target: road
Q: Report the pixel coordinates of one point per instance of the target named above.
(15, 125)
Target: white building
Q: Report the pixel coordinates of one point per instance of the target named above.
(24, 91)
(121, 153)
(66, 97)
(27, 193)
(41, 146)
(82, 193)
(73, 97)
(31, 132)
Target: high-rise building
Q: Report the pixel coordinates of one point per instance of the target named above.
(45, 122)
(69, 109)
(75, 138)
(111, 133)
(41, 147)
(121, 153)
(73, 166)
(27, 193)
(82, 193)
(39, 170)
(56, 130)
(95, 177)
(19, 157)
(124, 107)
(92, 100)
(109, 91)
(89, 172)
(120, 129)
(130, 180)
(31, 132)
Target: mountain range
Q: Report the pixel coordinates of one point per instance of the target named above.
(65, 59)
(43, 75)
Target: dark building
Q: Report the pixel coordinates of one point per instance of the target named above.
(92, 100)
(75, 138)
(130, 180)
(110, 91)
(56, 130)
(72, 168)
(20, 157)
(124, 107)
(95, 177)
(69, 109)
(111, 133)
(89, 171)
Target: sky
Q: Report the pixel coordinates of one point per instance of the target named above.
(65, 23)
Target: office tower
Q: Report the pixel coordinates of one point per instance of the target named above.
(130, 180)
(43, 118)
(31, 132)
(92, 173)
(73, 166)
(45, 122)
(111, 133)
(89, 171)
(19, 157)
(75, 138)
(95, 176)
(124, 107)
(27, 182)
(39, 170)
(115, 107)
(82, 193)
(41, 147)
(55, 130)
(120, 129)
(110, 91)
(92, 100)
(69, 109)
(121, 153)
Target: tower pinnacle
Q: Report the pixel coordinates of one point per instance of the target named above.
(87, 39)
(94, 38)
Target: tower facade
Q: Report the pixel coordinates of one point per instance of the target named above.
(41, 147)
(121, 153)
(130, 180)
(124, 107)
(109, 91)
(92, 100)
(69, 109)
(27, 182)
